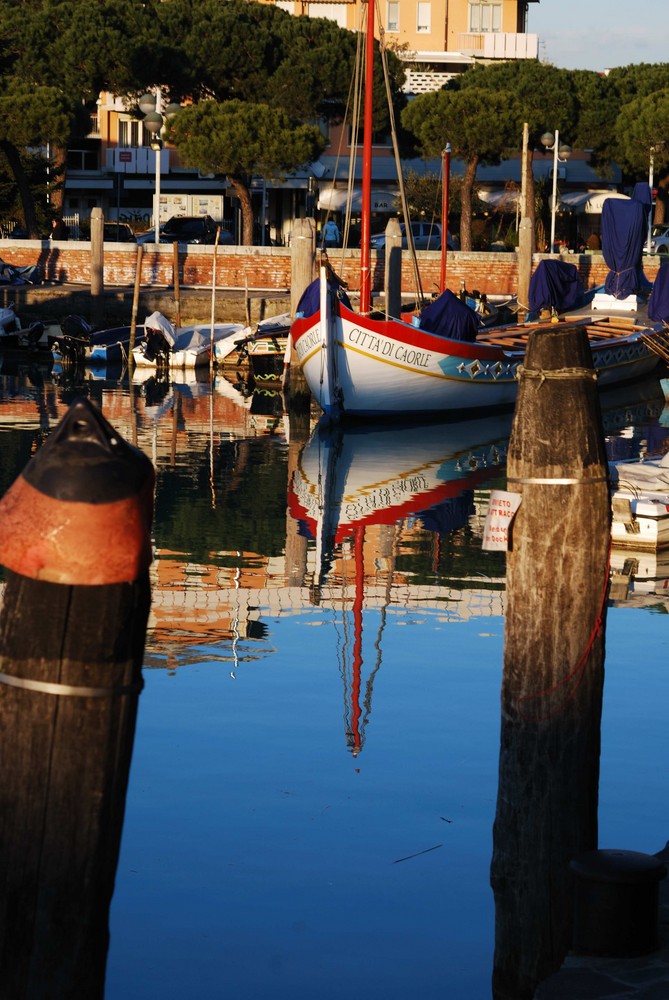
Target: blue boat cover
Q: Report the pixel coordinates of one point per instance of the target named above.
(658, 303)
(624, 230)
(448, 317)
(554, 285)
(310, 302)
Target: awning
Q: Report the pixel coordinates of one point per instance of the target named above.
(500, 198)
(331, 199)
(589, 202)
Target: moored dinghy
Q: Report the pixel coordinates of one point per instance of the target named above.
(164, 346)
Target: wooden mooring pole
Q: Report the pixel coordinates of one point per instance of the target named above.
(75, 536)
(303, 272)
(557, 584)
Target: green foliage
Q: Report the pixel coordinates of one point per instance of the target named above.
(643, 123)
(544, 96)
(474, 121)
(238, 138)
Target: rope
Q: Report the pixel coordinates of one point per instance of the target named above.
(49, 687)
(589, 374)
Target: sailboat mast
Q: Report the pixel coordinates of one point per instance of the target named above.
(365, 222)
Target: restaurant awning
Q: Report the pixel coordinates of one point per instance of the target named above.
(335, 199)
(590, 202)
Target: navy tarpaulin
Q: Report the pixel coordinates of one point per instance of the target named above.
(554, 285)
(658, 303)
(310, 301)
(449, 515)
(448, 317)
(624, 231)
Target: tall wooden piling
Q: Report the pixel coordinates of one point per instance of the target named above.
(97, 266)
(393, 269)
(557, 582)
(75, 536)
(303, 272)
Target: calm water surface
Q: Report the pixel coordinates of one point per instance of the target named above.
(314, 777)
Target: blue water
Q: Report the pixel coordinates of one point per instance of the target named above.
(261, 857)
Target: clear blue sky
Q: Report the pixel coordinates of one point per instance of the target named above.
(600, 34)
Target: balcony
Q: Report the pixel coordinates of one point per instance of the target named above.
(499, 45)
(136, 160)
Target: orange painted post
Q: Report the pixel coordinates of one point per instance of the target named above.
(75, 538)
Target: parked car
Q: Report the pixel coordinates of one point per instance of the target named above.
(194, 229)
(426, 236)
(659, 239)
(150, 237)
(118, 232)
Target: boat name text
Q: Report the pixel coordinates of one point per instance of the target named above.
(389, 348)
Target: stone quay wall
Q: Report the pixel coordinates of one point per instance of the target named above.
(254, 270)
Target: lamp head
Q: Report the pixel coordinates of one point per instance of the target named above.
(547, 139)
(153, 122)
(147, 103)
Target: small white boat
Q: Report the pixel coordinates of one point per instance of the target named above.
(640, 504)
(164, 346)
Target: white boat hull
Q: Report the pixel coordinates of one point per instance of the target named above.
(357, 366)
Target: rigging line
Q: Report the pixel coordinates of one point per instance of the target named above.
(398, 166)
(356, 88)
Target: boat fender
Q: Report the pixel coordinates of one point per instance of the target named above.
(81, 511)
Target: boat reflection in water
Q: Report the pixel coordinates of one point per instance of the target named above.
(356, 492)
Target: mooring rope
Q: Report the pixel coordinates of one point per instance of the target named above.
(589, 374)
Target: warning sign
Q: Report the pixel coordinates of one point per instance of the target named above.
(502, 508)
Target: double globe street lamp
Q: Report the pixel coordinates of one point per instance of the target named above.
(561, 154)
(155, 119)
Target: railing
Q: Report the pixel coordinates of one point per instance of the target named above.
(499, 44)
(136, 160)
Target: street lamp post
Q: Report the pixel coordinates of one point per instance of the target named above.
(151, 106)
(560, 155)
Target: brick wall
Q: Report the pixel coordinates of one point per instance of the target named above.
(269, 268)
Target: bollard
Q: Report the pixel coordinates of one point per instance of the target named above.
(74, 535)
(616, 903)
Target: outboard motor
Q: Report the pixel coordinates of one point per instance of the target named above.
(159, 338)
(75, 339)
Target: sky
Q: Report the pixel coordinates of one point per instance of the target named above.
(600, 34)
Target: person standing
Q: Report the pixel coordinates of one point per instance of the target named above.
(59, 230)
(330, 234)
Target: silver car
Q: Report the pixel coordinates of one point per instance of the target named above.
(426, 236)
(659, 239)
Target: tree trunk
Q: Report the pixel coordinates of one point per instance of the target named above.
(662, 198)
(244, 195)
(59, 173)
(466, 192)
(531, 198)
(25, 191)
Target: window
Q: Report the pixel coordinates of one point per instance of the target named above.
(485, 15)
(131, 133)
(333, 11)
(393, 15)
(424, 18)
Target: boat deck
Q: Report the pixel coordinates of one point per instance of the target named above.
(604, 328)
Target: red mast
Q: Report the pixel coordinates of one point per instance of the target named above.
(445, 182)
(365, 222)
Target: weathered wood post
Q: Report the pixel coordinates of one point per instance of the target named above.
(97, 266)
(525, 234)
(393, 269)
(135, 303)
(303, 272)
(557, 583)
(75, 537)
(176, 283)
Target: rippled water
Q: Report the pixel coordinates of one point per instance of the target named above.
(315, 767)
